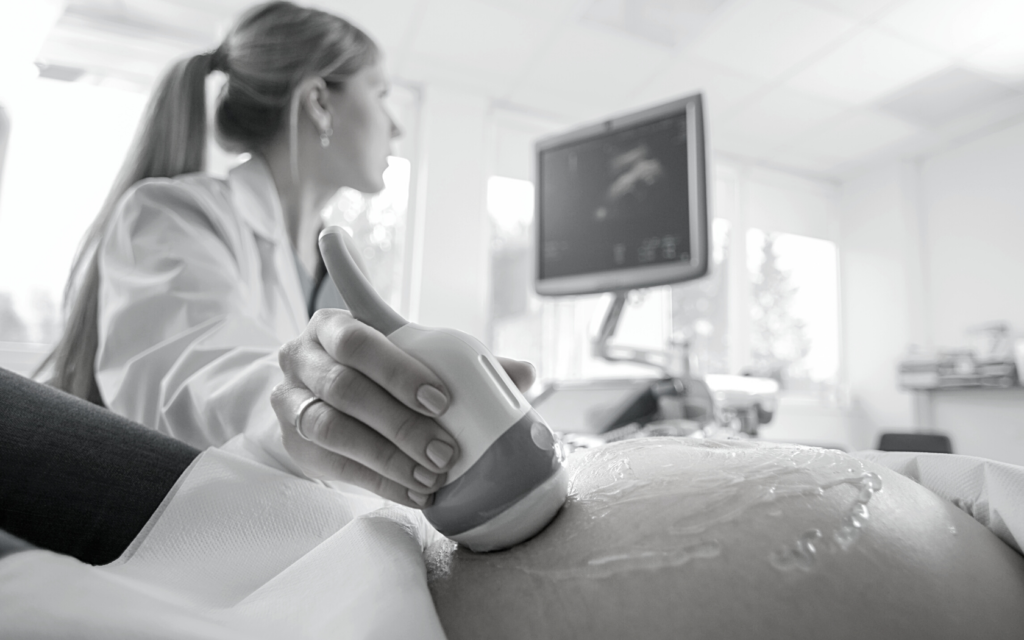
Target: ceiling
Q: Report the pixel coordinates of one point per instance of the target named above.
(817, 87)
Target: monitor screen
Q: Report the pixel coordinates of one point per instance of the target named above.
(623, 204)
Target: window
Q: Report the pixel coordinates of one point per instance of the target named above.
(67, 143)
(377, 223)
(795, 309)
(700, 309)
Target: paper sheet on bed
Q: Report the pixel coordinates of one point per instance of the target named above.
(990, 492)
(247, 551)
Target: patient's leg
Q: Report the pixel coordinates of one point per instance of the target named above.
(75, 478)
(673, 538)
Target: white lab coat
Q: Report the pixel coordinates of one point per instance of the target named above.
(198, 290)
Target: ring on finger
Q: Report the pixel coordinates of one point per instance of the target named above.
(306, 404)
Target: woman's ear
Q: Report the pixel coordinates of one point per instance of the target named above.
(313, 98)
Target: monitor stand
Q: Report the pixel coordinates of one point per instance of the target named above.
(737, 403)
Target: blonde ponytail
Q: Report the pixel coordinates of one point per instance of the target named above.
(170, 141)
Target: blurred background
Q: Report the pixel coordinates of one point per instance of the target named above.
(867, 182)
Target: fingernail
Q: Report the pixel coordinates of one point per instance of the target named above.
(417, 497)
(425, 477)
(432, 399)
(440, 453)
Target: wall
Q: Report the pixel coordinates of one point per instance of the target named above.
(929, 250)
(450, 280)
(974, 198)
(877, 253)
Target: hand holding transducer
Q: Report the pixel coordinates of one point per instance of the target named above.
(367, 410)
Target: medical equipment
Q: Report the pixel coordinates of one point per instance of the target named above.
(622, 205)
(509, 481)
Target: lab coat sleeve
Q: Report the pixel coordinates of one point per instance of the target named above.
(180, 348)
(991, 492)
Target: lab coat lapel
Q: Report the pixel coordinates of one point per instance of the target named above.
(257, 204)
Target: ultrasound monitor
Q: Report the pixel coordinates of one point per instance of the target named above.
(623, 204)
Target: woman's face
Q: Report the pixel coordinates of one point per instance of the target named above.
(363, 130)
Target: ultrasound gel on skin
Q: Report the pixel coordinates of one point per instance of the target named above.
(508, 482)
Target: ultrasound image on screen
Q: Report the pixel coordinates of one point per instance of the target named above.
(615, 201)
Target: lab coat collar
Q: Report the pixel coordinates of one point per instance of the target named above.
(255, 199)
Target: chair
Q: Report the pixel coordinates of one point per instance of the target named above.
(923, 442)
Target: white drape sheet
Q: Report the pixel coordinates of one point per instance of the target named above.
(238, 549)
(990, 492)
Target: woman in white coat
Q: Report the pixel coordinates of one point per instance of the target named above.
(193, 298)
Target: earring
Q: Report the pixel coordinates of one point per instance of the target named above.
(325, 137)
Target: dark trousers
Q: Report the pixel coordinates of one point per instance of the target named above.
(75, 478)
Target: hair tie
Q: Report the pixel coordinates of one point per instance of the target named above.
(218, 59)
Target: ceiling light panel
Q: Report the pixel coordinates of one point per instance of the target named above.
(767, 38)
(854, 137)
(102, 53)
(481, 40)
(1002, 60)
(585, 64)
(198, 26)
(956, 27)
(866, 67)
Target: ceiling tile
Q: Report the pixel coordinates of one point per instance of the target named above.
(423, 70)
(866, 67)
(956, 26)
(545, 10)
(562, 106)
(389, 22)
(859, 9)
(725, 140)
(766, 38)
(780, 118)
(945, 95)
(669, 23)
(806, 164)
(592, 66)
(723, 89)
(482, 40)
(854, 137)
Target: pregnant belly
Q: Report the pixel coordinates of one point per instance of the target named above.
(672, 537)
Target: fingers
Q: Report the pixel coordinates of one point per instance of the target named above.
(344, 449)
(373, 427)
(365, 403)
(368, 351)
(523, 373)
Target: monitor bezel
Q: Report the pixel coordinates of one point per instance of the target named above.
(645, 276)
